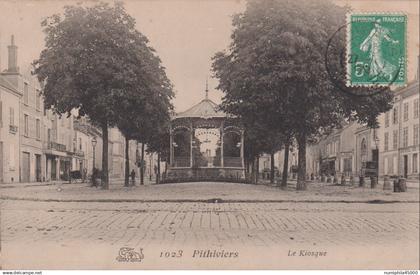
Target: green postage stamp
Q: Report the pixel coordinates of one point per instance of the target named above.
(376, 49)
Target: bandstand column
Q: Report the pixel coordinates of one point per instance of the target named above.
(222, 163)
(191, 143)
(171, 147)
(242, 148)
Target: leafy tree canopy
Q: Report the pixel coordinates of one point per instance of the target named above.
(274, 70)
(95, 60)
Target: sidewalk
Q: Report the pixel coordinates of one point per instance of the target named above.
(59, 182)
(203, 192)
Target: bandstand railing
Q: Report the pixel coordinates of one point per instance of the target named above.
(181, 162)
(232, 161)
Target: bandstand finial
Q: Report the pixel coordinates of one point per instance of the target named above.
(207, 89)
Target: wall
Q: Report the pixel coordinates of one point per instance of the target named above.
(9, 138)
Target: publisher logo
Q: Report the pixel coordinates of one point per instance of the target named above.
(127, 254)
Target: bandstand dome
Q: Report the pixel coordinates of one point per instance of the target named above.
(204, 109)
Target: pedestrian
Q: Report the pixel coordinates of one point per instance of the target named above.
(133, 177)
(84, 174)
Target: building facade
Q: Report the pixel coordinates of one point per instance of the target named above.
(399, 135)
(30, 119)
(38, 145)
(9, 131)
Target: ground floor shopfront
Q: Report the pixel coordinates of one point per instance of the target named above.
(403, 162)
(32, 162)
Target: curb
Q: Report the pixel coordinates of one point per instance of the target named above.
(213, 200)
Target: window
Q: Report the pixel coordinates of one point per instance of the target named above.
(390, 166)
(386, 165)
(363, 147)
(375, 135)
(48, 135)
(38, 129)
(386, 141)
(394, 165)
(416, 108)
(415, 163)
(25, 93)
(395, 115)
(12, 158)
(38, 100)
(416, 134)
(12, 116)
(386, 119)
(25, 125)
(405, 113)
(395, 139)
(405, 137)
(80, 144)
(70, 143)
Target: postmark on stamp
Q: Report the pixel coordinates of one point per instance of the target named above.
(376, 49)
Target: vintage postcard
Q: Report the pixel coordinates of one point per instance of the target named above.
(200, 134)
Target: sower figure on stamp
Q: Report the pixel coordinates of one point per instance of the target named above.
(378, 65)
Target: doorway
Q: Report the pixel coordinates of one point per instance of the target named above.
(38, 167)
(25, 167)
(53, 169)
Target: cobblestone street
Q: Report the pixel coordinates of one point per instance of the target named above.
(158, 225)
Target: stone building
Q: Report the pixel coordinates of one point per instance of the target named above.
(399, 134)
(30, 117)
(334, 154)
(9, 131)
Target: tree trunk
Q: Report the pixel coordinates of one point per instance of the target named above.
(105, 179)
(257, 169)
(158, 169)
(301, 180)
(252, 176)
(246, 167)
(249, 168)
(272, 168)
(127, 163)
(285, 166)
(142, 165)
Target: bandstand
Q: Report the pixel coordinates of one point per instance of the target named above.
(205, 145)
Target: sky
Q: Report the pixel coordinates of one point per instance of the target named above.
(185, 34)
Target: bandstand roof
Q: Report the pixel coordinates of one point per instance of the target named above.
(204, 109)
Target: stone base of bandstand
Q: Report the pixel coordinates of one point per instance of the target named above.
(188, 174)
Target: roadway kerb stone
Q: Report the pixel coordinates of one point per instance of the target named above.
(209, 192)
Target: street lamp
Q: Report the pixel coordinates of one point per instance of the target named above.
(93, 145)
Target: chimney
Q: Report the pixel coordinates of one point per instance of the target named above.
(12, 65)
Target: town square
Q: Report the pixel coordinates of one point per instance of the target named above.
(254, 134)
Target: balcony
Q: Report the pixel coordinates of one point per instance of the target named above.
(79, 153)
(57, 146)
(13, 129)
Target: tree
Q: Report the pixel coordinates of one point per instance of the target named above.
(159, 143)
(275, 68)
(93, 59)
(146, 110)
(259, 138)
